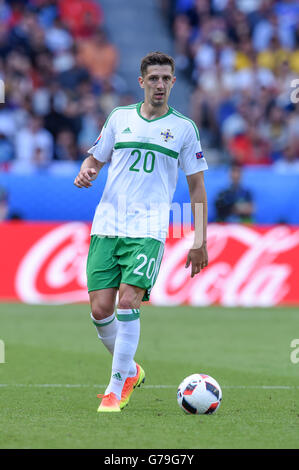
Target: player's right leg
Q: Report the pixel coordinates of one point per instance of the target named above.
(103, 316)
(103, 279)
(102, 304)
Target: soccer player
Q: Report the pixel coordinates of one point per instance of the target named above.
(144, 143)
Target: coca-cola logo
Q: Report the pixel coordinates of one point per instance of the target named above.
(243, 268)
(246, 267)
(53, 270)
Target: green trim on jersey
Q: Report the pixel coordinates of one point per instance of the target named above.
(176, 113)
(146, 146)
(170, 110)
(131, 106)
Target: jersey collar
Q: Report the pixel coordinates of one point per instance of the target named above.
(152, 120)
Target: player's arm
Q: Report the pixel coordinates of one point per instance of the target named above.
(88, 172)
(198, 254)
(99, 154)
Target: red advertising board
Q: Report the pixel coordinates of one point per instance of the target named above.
(248, 265)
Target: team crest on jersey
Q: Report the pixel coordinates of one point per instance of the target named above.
(166, 135)
(199, 155)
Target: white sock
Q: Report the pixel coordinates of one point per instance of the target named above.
(126, 343)
(107, 330)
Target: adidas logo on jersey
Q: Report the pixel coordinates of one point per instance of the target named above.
(127, 131)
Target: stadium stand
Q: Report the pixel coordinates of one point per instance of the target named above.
(59, 71)
(243, 59)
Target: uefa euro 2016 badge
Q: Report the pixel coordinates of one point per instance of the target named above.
(166, 135)
(98, 140)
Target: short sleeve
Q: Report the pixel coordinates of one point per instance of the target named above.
(191, 158)
(103, 146)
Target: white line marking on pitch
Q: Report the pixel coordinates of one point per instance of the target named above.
(258, 387)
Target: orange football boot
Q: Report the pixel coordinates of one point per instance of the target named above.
(130, 384)
(109, 403)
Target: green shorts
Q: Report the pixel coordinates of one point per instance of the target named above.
(134, 261)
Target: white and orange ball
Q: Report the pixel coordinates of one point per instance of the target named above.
(199, 394)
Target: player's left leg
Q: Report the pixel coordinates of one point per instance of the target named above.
(127, 338)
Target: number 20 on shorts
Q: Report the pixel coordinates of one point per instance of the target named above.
(150, 267)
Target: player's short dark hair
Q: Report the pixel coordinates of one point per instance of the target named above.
(156, 58)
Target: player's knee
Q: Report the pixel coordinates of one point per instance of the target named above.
(100, 312)
(129, 297)
(127, 302)
(125, 305)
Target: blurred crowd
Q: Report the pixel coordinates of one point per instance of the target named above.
(243, 58)
(60, 74)
(59, 71)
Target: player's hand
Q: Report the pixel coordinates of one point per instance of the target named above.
(84, 178)
(198, 257)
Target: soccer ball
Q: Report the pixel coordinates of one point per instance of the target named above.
(199, 394)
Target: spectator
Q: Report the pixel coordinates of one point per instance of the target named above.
(92, 122)
(5, 47)
(6, 150)
(57, 37)
(289, 163)
(55, 121)
(98, 55)
(73, 73)
(234, 204)
(66, 148)
(293, 125)
(274, 55)
(34, 146)
(182, 32)
(250, 148)
(269, 26)
(275, 130)
(5, 211)
(82, 17)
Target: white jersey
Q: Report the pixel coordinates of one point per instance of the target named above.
(144, 157)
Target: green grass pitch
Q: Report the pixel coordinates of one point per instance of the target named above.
(54, 364)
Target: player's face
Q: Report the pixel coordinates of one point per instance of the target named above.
(157, 83)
